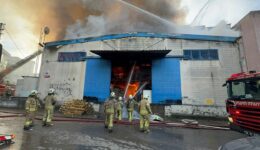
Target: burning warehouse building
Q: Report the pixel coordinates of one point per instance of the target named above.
(187, 69)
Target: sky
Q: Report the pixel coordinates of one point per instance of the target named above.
(21, 37)
(229, 10)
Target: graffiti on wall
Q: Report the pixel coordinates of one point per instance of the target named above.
(64, 89)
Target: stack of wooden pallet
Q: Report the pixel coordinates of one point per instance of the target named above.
(76, 107)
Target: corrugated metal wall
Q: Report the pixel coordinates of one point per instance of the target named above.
(67, 78)
(194, 73)
(25, 86)
(97, 78)
(166, 82)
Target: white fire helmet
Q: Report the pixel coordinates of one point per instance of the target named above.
(34, 92)
(130, 96)
(51, 91)
(146, 96)
(112, 94)
(120, 98)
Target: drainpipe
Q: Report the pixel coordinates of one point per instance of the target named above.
(239, 53)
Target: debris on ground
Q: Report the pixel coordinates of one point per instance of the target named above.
(76, 107)
(190, 121)
(155, 117)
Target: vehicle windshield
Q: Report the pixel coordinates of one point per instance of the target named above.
(244, 89)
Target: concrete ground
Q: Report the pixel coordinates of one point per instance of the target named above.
(75, 135)
(175, 118)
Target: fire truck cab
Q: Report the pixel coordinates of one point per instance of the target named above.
(243, 103)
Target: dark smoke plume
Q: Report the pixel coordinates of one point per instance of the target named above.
(76, 18)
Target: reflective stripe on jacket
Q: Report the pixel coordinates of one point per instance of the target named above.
(144, 107)
(119, 105)
(50, 100)
(31, 104)
(131, 104)
(109, 106)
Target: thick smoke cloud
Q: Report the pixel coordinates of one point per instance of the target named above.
(117, 17)
(76, 18)
(168, 9)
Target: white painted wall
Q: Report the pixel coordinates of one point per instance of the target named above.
(25, 86)
(67, 78)
(202, 80)
(148, 93)
(210, 111)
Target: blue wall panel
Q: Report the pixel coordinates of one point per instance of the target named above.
(166, 81)
(144, 34)
(97, 78)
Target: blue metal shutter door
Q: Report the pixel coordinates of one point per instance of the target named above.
(166, 81)
(97, 78)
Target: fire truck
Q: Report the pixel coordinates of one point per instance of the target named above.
(243, 103)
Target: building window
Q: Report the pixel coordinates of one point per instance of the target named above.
(213, 55)
(201, 54)
(187, 54)
(195, 55)
(71, 56)
(204, 54)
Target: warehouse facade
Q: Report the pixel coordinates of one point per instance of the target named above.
(172, 69)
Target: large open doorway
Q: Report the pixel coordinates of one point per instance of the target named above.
(124, 72)
(131, 77)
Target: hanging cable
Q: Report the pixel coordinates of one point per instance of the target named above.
(11, 38)
(200, 14)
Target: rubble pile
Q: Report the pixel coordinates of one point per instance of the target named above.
(76, 107)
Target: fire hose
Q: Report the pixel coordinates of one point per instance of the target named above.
(185, 122)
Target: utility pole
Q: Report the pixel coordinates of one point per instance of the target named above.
(2, 25)
(43, 33)
(1, 46)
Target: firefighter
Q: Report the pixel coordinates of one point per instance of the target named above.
(109, 108)
(31, 107)
(130, 107)
(145, 112)
(119, 107)
(49, 102)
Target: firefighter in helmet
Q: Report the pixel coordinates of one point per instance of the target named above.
(130, 107)
(145, 112)
(49, 104)
(109, 108)
(31, 107)
(119, 107)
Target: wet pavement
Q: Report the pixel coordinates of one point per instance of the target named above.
(77, 136)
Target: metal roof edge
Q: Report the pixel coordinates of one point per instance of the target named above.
(143, 34)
